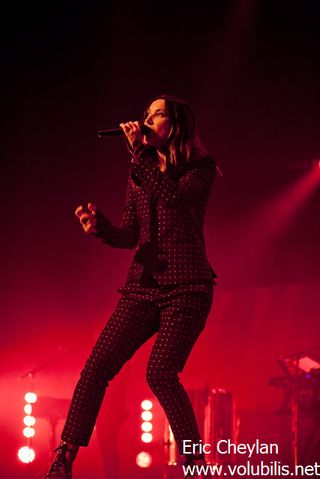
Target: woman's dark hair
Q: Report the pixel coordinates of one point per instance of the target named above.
(183, 141)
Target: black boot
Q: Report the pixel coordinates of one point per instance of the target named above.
(61, 468)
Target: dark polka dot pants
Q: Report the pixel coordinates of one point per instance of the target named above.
(178, 320)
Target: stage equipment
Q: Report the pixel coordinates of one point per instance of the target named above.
(53, 410)
(215, 410)
(146, 425)
(26, 454)
(301, 382)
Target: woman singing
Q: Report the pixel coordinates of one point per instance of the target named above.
(169, 287)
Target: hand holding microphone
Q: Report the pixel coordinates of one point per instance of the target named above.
(113, 132)
(133, 133)
(87, 218)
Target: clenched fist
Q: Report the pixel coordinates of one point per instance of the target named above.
(133, 133)
(87, 218)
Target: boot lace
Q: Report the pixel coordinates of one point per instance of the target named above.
(61, 467)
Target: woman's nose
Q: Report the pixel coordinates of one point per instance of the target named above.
(148, 120)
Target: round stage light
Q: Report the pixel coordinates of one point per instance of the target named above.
(26, 454)
(29, 421)
(146, 426)
(30, 397)
(146, 405)
(147, 415)
(28, 409)
(146, 437)
(143, 459)
(29, 432)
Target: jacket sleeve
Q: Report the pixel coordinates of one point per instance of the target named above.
(127, 235)
(195, 183)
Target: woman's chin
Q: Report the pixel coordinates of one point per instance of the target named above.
(154, 142)
(149, 142)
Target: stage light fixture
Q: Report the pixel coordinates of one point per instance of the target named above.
(307, 364)
(29, 421)
(28, 409)
(26, 454)
(29, 432)
(146, 415)
(30, 397)
(143, 459)
(146, 426)
(146, 437)
(146, 405)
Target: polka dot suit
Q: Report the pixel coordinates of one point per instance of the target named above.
(168, 291)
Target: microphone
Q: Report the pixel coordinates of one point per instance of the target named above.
(145, 130)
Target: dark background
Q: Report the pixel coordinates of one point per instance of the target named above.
(250, 69)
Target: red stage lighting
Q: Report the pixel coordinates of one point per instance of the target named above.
(30, 397)
(146, 415)
(146, 437)
(29, 432)
(28, 409)
(146, 405)
(146, 425)
(307, 364)
(26, 454)
(143, 459)
(29, 421)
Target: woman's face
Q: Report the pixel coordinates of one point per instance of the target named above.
(158, 121)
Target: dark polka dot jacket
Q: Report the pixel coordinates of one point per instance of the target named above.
(163, 217)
